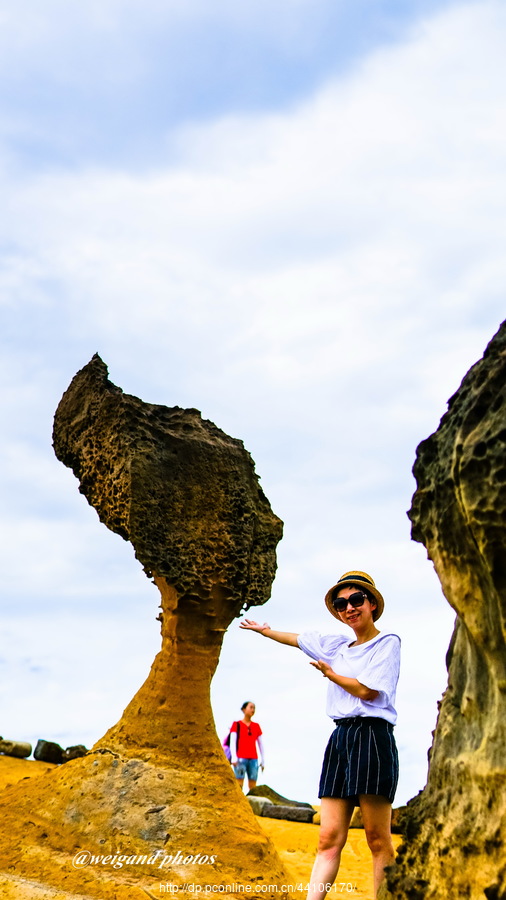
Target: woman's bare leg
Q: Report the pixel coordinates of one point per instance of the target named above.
(335, 816)
(377, 818)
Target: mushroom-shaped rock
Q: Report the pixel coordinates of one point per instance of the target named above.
(187, 497)
(157, 787)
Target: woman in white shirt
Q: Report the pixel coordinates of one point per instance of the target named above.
(360, 766)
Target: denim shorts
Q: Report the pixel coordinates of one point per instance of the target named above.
(247, 767)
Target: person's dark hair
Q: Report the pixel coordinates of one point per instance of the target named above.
(370, 597)
(243, 707)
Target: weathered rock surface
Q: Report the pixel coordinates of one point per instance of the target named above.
(48, 751)
(275, 806)
(187, 497)
(455, 837)
(74, 752)
(263, 790)
(21, 749)
(257, 803)
(290, 813)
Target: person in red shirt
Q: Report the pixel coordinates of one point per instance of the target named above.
(245, 738)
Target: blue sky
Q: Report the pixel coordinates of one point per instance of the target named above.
(291, 217)
(109, 82)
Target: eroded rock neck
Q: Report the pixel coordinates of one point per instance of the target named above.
(171, 714)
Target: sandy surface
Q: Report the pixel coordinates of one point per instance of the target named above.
(13, 770)
(295, 842)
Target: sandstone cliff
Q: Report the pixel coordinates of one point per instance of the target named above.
(187, 497)
(455, 844)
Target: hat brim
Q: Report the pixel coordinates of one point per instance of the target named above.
(380, 603)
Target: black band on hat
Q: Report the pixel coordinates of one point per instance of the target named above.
(354, 579)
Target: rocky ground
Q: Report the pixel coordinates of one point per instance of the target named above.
(294, 841)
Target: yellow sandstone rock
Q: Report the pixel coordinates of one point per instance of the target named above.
(156, 788)
(456, 828)
(295, 842)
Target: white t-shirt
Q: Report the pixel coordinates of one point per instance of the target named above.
(375, 664)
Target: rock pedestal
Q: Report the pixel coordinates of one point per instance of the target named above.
(186, 496)
(455, 832)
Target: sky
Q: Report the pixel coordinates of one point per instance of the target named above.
(290, 216)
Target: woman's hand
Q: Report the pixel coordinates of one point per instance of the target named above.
(250, 625)
(323, 667)
(283, 637)
(352, 685)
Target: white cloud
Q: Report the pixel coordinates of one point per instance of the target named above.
(337, 217)
(69, 677)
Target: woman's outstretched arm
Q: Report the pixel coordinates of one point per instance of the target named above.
(282, 637)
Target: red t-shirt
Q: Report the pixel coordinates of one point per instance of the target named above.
(248, 734)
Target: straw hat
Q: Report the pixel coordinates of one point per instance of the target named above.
(361, 579)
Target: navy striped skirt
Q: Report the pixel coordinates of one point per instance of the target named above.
(361, 758)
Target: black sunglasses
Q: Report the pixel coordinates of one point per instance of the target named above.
(356, 599)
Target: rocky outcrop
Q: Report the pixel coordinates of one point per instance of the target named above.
(289, 813)
(48, 751)
(263, 790)
(21, 749)
(455, 833)
(74, 752)
(186, 496)
(51, 752)
(265, 801)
